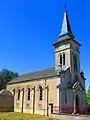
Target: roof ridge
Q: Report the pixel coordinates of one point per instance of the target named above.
(37, 71)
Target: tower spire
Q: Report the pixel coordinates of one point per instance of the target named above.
(66, 28)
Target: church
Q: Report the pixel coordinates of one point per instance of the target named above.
(53, 90)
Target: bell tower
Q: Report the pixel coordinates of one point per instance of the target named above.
(67, 49)
(71, 81)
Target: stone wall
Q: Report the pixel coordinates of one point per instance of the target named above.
(35, 106)
(6, 101)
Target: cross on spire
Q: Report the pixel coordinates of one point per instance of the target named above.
(65, 7)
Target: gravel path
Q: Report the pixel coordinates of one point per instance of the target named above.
(67, 117)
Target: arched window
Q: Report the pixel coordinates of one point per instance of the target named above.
(40, 93)
(60, 59)
(18, 97)
(75, 63)
(63, 59)
(28, 94)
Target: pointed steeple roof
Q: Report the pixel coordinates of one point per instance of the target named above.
(66, 28)
(66, 32)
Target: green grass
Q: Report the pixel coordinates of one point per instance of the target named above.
(21, 116)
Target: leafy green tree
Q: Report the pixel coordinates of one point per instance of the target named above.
(6, 76)
(88, 91)
(88, 96)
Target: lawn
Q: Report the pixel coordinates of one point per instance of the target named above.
(22, 116)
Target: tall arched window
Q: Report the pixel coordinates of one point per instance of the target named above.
(40, 93)
(28, 94)
(62, 59)
(75, 63)
(18, 97)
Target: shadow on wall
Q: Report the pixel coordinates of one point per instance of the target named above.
(6, 101)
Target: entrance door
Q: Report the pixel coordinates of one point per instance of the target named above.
(77, 104)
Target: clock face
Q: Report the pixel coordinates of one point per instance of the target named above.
(62, 45)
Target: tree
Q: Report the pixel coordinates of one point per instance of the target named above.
(6, 76)
(88, 91)
(88, 96)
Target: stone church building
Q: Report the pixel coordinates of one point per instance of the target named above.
(57, 89)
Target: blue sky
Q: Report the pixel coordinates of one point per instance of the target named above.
(28, 28)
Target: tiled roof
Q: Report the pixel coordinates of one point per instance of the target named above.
(46, 73)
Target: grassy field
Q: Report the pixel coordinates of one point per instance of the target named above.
(21, 116)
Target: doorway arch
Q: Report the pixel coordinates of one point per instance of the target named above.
(77, 104)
